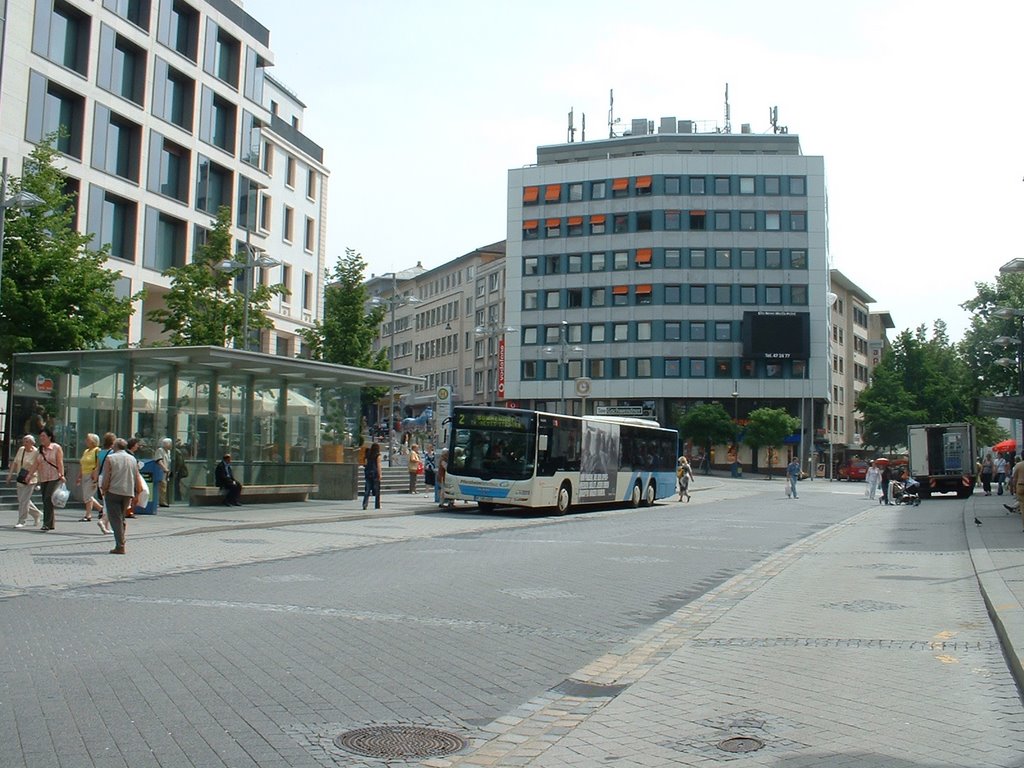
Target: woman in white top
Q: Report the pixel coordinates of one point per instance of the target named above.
(25, 459)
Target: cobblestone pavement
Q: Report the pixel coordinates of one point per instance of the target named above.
(864, 643)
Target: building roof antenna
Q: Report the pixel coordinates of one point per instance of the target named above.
(728, 112)
(612, 120)
(571, 133)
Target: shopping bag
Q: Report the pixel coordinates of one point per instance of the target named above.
(60, 496)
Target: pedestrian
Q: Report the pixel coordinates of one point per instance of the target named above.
(987, 470)
(1017, 486)
(442, 473)
(684, 474)
(872, 477)
(141, 500)
(25, 459)
(1000, 474)
(886, 479)
(372, 471)
(224, 476)
(50, 471)
(430, 471)
(415, 462)
(88, 462)
(122, 485)
(163, 456)
(793, 474)
(106, 450)
(179, 469)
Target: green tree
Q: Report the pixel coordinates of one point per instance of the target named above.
(706, 425)
(201, 308)
(767, 428)
(979, 348)
(56, 292)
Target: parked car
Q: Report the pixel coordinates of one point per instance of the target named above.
(854, 469)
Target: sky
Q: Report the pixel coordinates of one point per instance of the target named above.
(422, 108)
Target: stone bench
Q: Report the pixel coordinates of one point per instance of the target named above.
(204, 495)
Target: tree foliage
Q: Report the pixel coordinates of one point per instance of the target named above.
(706, 424)
(767, 428)
(201, 308)
(56, 293)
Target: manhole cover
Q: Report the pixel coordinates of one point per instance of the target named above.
(399, 741)
(741, 744)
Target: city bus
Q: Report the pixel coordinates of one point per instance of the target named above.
(533, 459)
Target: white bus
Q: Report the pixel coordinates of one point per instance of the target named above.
(514, 457)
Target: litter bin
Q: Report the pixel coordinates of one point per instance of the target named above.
(152, 473)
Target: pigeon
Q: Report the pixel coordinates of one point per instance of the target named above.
(977, 521)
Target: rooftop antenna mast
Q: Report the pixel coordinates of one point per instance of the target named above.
(773, 117)
(612, 120)
(583, 135)
(728, 112)
(571, 134)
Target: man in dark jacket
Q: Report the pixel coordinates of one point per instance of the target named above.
(226, 481)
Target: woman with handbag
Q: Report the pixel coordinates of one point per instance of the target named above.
(23, 470)
(88, 477)
(50, 470)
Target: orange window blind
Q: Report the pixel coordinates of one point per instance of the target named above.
(530, 224)
(643, 289)
(643, 255)
(552, 192)
(597, 219)
(643, 182)
(575, 221)
(554, 223)
(620, 289)
(620, 184)
(530, 194)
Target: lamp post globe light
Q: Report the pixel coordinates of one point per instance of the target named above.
(492, 331)
(20, 200)
(254, 259)
(392, 302)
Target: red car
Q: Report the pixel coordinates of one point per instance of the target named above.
(854, 469)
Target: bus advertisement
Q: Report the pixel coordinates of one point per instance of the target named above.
(533, 459)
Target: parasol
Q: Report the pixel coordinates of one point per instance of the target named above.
(1007, 446)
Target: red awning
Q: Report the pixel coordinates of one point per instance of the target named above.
(1007, 446)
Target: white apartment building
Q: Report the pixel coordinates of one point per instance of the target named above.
(168, 113)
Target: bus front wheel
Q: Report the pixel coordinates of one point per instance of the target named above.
(634, 499)
(564, 498)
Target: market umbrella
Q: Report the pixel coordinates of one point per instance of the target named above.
(1007, 446)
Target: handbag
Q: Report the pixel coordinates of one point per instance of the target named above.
(22, 476)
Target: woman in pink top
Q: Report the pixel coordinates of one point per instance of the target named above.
(50, 471)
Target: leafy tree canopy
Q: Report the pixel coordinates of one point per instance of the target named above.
(56, 293)
(201, 308)
(706, 425)
(767, 428)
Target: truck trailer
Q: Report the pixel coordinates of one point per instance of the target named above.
(942, 458)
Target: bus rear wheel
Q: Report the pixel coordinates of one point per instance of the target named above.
(564, 499)
(636, 495)
(650, 495)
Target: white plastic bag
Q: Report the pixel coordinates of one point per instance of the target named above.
(60, 496)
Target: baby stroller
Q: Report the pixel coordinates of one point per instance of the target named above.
(905, 492)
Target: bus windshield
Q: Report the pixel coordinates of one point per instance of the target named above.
(493, 445)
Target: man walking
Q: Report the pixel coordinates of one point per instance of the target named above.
(122, 484)
(1017, 486)
(793, 474)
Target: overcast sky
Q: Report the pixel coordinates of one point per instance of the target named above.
(916, 107)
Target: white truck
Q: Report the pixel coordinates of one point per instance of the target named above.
(943, 458)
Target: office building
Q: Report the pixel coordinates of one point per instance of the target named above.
(167, 113)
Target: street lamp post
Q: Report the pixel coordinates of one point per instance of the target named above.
(563, 372)
(393, 301)
(1008, 313)
(492, 331)
(254, 259)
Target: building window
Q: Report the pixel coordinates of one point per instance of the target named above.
(698, 294)
(723, 258)
(798, 294)
(598, 297)
(620, 295)
(289, 171)
(530, 300)
(111, 220)
(530, 370)
(597, 224)
(620, 332)
(673, 330)
(553, 228)
(178, 28)
(551, 299)
(771, 185)
(598, 190)
(772, 221)
(721, 185)
(135, 11)
(173, 95)
(266, 209)
(798, 259)
(222, 54)
(62, 35)
(531, 195)
(673, 368)
(116, 144)
(217, 120)
(723, 294)
(575, 192)
(723, 221)
(575, 263)
(620, 260)
(723, 331)
(597, 333)
(643, 367)
(248, 199)
(746, 185)
(165, 241)
(643, 221)
(620, 188)
(773, 294)
(773, 259)
(672, 258)
(698, 367)
(797, 185)
(673, 220)
(597, 262)
(620, 368)
(698, 220)
(748, 221)
(552, 264)
(531, 229)
(552, 193)
(529, 335)
(620, 223)
(748, 294)
(308, 241)
(748, 259)
(644, 185)
(252, 139)
(531, 266)
(643, 294)
(288, 230)
(169, 167)
(255, 77)
(643, 330)
(698, 258)
(698, 331)
(307, 291)
(574, 226)
(672, 185)
(798, 221)
(673, 294)
(697, 185)
(121, 66)
(644, 257)
(574, 298)
(54, 109)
